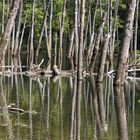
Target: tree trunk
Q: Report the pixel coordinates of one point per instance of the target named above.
(80, 53)
(17, 24)
(76, 33)
(125, 43)
(113, 36)
(22, 33)
(41, 34)
(97, 43)
(61, 34)
(71, 44)
(31, 50)
(2, 25)
(90, 49)
(103, 59)
(8, 29)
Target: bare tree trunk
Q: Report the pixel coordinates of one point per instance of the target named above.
(103, 59)
(55, 49)
(114, 35)
(87, 25)
(8, 29)
(50, 33)
(80, 53)
(48, 47)
(76, 33)
(22, 34)
(41, 34)
(71, 44)
(90, 49)
(136, 29)
(61, 34)
(2, 25)
(92, 60)
(125, 43)
(16, 47)
(31, 49)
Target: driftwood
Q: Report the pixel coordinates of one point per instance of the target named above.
(131, 73)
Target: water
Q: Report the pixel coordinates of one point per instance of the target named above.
(67, 109)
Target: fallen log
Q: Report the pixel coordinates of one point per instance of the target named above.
(12, 107)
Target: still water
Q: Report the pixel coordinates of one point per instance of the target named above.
(50, 108)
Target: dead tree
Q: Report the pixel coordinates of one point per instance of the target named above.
(2, 25)
(103, 58)
(31, 49)
(94, 54)
(80, 52)
(125, 43)
(76, 33)
(61, 34)
(18, 23)
(43, 29)
(8, 30)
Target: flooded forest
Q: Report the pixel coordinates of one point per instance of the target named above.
(69, 70)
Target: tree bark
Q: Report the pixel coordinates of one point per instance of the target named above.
(8, 30)
(41, 34)
(97, 42)
(80, 53)
(76, 33)
(31, 50)
(103, 59)
(2, 25)
(61, 34)
(125, 43)
(19, 16)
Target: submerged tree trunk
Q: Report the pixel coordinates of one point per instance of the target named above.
(124, 48)
(8, 30)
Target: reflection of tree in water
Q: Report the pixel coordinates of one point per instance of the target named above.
(92, 109)
(5, 115)
(98, 105)
(121, 112)
(76, 113)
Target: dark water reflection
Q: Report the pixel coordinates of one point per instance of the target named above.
(65, 108)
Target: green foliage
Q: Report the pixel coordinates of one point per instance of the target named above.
(69, 18)
(38, 17)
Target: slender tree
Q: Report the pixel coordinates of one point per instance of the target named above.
(31, 49)
(80, 52)
(8, 30)
(62, 19)
(125, 43)
(18, 24)
(2, 25)
(76, 33)
(96, 44)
